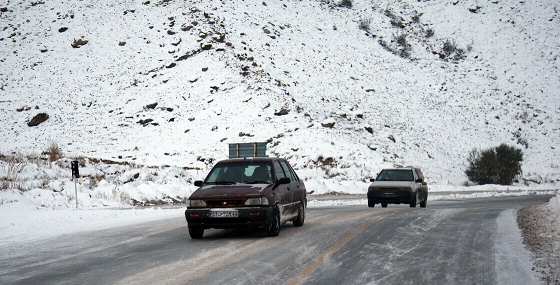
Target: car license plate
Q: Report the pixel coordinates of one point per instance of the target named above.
(224, 214)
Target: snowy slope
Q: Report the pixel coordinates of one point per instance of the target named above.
(308, 57)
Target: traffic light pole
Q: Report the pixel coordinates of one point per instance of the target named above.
(75, 175)
(76, 188)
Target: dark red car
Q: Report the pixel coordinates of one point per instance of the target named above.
(262, 192)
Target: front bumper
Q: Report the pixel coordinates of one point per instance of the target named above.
(201, 218)
(393, 197)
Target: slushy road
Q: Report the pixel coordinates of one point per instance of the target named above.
(449, 242)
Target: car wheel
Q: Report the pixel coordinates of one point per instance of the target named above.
(196, 232)
(298, 222)
(370, 203)
(384, 205)
(423, 204)
(414, 200)
(273, 229)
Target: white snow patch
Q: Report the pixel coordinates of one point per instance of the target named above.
(513, 261)
(23, 222)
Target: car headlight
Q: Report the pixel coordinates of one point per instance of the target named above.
(256, 201)
(196, 203)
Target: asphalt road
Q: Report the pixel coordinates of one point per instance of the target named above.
(449, 242)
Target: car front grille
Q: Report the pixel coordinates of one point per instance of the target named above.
(389, 189)
(226, 203)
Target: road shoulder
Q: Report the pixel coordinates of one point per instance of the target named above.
(513, 262)
(540, 225)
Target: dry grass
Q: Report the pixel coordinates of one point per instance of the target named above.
(12, 168)
(53, 151)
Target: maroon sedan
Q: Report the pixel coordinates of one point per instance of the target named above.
(262, 192)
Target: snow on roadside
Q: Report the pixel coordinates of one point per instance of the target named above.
(49, 185)
(513, 261)
(541, 233)
(22, 222)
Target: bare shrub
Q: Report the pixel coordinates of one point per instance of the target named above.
(116, 194)
(401, 39)
(93, 180)
(389, 13)
(450, 50)
(397, 23)
(53, 151)
(364, 24)
(416, 17)
(398, 45)
(11, 171)
(429, 33)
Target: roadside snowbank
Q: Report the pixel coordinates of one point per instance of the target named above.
(22, 221)
(513, 261)
(541, 233)
(102, 184)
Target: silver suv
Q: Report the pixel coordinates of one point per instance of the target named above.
(398, 186)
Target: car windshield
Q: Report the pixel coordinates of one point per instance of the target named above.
(395, 175)
(240, 172)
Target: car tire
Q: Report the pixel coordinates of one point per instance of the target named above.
(384, 205)
(298, 222)
(196, 232)
(273, 229)
(425, 202)
(414, 200)
(370, 203)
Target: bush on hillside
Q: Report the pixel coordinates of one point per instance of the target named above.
(498, 165)
(364, 24)
(398, 45)
(452, 51)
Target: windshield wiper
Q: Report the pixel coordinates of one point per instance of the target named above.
(222, 182)
(256, 182)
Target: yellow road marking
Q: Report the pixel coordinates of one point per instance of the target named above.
(313, 265)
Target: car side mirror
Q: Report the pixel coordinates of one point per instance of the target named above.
(371, 180)
(284, 180)
(419, 180)
(198, 183)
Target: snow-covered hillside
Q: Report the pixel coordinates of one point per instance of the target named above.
(339, 91)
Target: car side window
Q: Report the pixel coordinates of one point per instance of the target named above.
(293, 172)
(287, 171)
(278, 170)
